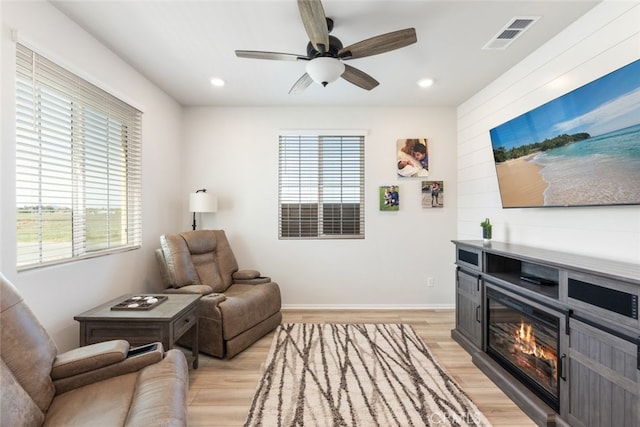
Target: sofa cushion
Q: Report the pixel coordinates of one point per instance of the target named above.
(212, 257)
(180, 269)
(25, 346)
(200, 241)
(16, 406)
(198, 257)
(105, 403)
(248, 305)
(203, 246)
(207, 269)
(227, 262)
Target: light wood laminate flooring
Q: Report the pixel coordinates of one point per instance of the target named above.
(220, 391)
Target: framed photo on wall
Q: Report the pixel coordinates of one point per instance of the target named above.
(412, 159)
(389, 198)
(432, 194)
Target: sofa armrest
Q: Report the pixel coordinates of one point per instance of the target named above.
(77, 374)
(215, 297)
(89, 358)
(245, 274)
(249, 277)
(160, 397)
(190, 289)
(255, 281)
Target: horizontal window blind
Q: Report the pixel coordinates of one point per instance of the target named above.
(78, 160)
(321, 187)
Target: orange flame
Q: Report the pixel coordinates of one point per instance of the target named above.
(526, 343)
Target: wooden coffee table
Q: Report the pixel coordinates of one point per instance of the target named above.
(166, 322)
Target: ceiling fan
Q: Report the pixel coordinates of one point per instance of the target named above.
(326, 54)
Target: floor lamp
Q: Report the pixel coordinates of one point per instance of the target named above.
(201, 201)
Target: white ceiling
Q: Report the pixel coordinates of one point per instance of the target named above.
(180, 45)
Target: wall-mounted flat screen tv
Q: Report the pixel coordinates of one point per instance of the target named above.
(582, 149)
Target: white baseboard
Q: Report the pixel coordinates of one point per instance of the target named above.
(367, 307)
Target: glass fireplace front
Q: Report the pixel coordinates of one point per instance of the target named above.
(525, 340)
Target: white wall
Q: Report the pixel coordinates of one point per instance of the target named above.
(605, 39)
(58, 293)
(233, 152)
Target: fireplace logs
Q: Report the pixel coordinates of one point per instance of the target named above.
(517, 342)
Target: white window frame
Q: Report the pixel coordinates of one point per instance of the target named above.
(321, 185)
(78, 166)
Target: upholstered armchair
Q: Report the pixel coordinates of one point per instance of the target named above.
(238, 307)
(104, 384)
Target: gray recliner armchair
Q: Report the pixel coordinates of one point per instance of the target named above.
(103, 384)
(238, 307)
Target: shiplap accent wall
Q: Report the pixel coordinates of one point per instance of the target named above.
(605, 39)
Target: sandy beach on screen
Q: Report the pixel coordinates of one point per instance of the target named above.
(521, 183)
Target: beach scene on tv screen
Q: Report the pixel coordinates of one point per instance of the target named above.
(581, 149)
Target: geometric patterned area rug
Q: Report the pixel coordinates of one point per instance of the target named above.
(356, 375)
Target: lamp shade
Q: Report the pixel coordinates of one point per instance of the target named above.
(202, 202)
(325, 69)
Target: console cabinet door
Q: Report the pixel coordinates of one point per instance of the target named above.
(469, 306)
(604, 380)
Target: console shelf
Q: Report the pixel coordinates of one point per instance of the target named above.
(548, 291)
(600, 342)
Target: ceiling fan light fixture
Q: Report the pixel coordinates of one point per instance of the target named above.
(325, 70)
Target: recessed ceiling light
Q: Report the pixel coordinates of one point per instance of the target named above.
(424, 83)
(217, 82)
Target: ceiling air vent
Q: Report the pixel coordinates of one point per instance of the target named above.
(511, 31)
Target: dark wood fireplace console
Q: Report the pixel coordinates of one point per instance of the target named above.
(598, 347)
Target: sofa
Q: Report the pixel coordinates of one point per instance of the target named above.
(104, 384)
(238, 307)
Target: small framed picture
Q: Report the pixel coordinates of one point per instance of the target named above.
(389, 198)
(412, 159)
(432, 194)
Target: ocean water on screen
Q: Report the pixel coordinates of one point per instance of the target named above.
(601, 170)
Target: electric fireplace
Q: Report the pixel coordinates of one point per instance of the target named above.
(524, 338)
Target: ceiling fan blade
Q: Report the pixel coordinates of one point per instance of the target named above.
(277, 56)
(359, 78)
(315, 23)
(379, 44)
(302, 83)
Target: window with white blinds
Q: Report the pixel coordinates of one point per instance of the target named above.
(321, 187)
(78, 159)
